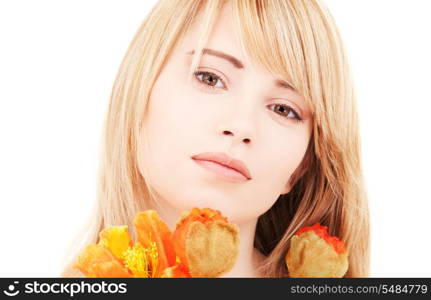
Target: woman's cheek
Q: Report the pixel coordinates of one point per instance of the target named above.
(283, 157)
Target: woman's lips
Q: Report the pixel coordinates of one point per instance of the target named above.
(223, 166)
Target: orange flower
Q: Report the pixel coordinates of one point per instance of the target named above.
(315, 253)
(322, 231)
(206, 243)
(151, 228)
(98, 261)
(115, 255)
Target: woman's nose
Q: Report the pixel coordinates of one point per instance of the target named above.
(236, 134)
(245, 140)
(240, 121)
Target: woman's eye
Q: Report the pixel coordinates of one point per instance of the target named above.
(210, 79)
(285, 111)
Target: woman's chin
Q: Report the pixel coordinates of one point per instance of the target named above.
(223, 205)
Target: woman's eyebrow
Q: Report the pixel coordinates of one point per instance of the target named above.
(284, 84)
(239, 65)
(234, 61)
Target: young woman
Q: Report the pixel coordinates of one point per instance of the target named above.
(244, 106)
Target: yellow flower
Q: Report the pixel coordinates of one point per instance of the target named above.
(115, 255)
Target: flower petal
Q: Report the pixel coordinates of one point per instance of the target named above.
(310, 255)
(206, 243)
(177, 271)
(117, 239)
(97, 261)
(322, 231)
(150, 228)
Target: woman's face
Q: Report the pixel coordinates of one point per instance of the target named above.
(231, 110)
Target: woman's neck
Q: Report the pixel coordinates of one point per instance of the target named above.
(249, 258)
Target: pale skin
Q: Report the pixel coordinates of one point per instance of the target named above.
(236, 108)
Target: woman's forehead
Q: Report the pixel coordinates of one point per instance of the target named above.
(241, 34)
(224, 41)
(223, 36)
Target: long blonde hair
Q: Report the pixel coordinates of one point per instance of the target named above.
(295, 39)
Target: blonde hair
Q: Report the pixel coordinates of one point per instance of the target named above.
(295, 39)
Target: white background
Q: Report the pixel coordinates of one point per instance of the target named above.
(58, 60)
